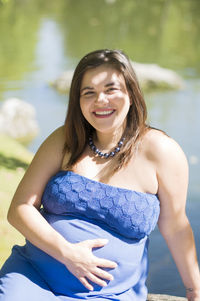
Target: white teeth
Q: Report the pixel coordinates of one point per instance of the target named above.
(104, 112)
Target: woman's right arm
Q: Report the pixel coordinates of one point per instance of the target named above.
(24, 212)
(24, 215)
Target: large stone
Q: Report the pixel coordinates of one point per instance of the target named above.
(63, 82)
(17, 120)
(150, 76)
(155, 297)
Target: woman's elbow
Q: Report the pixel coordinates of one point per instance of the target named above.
(175, 226)
(10, 215)
(13, 214)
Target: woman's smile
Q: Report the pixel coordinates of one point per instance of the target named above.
(103, 113)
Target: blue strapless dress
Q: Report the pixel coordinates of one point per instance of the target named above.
(80, 208)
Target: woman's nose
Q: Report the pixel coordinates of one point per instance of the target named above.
(101, 97)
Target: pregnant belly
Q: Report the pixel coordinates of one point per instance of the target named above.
(129, 254)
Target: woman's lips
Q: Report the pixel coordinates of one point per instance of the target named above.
(103, 113)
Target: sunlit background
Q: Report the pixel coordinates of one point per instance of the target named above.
(39, 39)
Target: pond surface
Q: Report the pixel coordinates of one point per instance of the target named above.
(39, 39)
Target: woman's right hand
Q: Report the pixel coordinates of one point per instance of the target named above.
(84, 265)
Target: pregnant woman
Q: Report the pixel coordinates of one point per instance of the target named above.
(94, 192)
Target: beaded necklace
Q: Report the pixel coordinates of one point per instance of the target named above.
(112, 153)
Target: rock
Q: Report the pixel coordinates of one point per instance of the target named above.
(63, 82)
(17, 120)
(155, 297)
(150, 76)
(153, 76)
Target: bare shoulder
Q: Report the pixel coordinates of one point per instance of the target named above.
(162, 149)
(57, 135)
(55, 141)
(50, 153)
(46, 162)
(171, 167)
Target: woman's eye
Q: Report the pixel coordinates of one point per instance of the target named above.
(88, 93)
(112, 89)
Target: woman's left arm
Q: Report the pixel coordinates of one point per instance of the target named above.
(172, 175)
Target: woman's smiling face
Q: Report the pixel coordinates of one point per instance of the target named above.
(104, 99)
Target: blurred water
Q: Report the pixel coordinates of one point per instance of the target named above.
(52, 37)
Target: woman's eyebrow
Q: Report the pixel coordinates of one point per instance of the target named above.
(86, 88)
(112, 84)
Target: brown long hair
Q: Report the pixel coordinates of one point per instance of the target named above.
(78, 130)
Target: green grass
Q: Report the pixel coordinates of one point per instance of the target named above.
(14, 159)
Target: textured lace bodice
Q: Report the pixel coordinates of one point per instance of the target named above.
(130, 213)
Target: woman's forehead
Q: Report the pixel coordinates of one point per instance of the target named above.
(101, 76)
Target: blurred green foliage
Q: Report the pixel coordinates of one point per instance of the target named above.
(18, 33)
(4, 1)
(159, 31)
